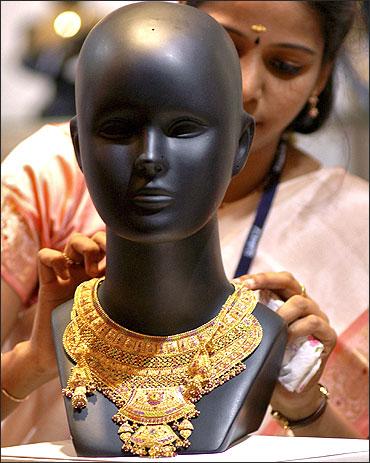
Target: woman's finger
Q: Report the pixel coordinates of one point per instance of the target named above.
(100, 238)
(282, 283)
(298, 307)
(51, 264)
(82, 249)
(317, 327)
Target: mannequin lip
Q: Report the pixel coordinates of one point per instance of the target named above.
(152, 198)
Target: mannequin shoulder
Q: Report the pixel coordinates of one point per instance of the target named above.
(272, 324)
(61, 315)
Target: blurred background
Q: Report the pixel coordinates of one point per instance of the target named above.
(41, 41)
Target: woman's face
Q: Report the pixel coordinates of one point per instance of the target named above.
(281, 67)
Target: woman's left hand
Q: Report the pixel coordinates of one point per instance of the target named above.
(303, 317)
(59, 275)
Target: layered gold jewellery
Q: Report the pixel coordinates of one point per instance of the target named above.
(155, 380)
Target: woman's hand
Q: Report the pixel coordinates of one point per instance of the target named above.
(59, 275)
(303, 317)
(61, 272)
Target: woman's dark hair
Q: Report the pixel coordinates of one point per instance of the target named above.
(336, 18)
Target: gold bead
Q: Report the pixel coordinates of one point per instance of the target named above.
(125, 427)
(185, 433)
(185, 424)
(125, 436)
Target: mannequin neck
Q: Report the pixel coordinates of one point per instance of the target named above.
(164, 288)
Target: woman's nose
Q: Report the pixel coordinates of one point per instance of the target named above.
(253, 81)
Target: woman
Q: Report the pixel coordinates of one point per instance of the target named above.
(287, 52)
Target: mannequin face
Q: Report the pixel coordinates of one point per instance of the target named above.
(156, 142)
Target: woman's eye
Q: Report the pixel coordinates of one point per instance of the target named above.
(118, 130)
(284, 67)
(185, 129)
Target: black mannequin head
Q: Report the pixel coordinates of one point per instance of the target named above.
(160, 124)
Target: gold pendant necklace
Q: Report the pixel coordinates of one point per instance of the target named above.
(155, 380)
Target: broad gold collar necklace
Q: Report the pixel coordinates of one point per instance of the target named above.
(154, 381)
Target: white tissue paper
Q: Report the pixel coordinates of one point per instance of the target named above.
(302, 356)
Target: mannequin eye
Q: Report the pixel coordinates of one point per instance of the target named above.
(186, 128)
(118, 130)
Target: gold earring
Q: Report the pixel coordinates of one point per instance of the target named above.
(313, 112)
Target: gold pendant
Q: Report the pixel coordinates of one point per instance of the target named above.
(150, 410)
(157, 405)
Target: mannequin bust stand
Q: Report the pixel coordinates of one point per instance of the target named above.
(158, 141)
(227, 414)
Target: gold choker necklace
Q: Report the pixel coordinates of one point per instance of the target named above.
(155, 380)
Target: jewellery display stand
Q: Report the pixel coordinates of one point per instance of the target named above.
(158, 137)
(228, 413)
(252, 449)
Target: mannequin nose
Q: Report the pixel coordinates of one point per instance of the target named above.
(151, 162)
(149, 167)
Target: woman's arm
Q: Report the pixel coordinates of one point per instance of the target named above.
(11, 306)
(20, 374)
(330, 424)
(304, 317)
(32, 363)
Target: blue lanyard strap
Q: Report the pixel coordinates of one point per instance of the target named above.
(264, 206)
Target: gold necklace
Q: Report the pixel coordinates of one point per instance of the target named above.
(155, 380)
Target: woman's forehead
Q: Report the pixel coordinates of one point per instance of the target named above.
(284, 21)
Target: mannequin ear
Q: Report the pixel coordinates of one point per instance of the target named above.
(245, 142)
(75, 141)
